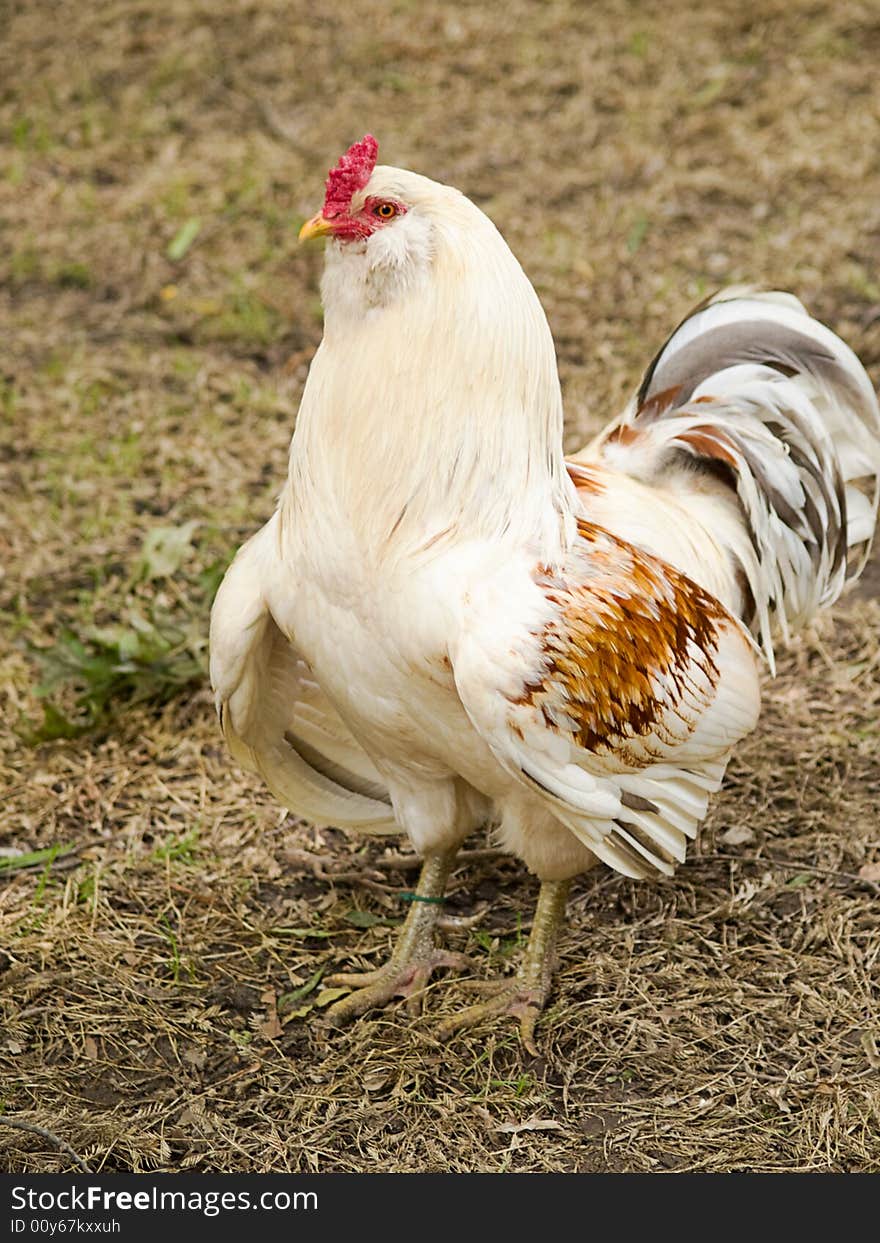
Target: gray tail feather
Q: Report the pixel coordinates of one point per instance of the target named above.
(753, 389)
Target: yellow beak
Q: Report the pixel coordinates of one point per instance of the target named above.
(316, 227)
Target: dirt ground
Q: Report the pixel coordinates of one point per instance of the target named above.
(162, 945)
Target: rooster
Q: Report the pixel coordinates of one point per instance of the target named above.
(446, 624)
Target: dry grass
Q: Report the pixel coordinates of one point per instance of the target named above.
(636, 155)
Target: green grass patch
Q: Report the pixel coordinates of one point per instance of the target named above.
(179, 849)
(34, 858)
(154, 650)
(244, 318)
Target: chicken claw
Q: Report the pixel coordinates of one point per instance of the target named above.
(415, 957)
(525, 996)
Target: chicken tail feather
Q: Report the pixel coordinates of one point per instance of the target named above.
(752, 396)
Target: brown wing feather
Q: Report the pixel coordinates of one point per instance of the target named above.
(624, 625)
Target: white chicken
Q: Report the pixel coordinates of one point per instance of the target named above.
(446, 625)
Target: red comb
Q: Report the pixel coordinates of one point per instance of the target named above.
(350, 175)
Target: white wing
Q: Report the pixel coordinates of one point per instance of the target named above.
(274, 715)
(614, 689)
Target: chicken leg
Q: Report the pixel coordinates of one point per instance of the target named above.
(525, 996)
(415, 957)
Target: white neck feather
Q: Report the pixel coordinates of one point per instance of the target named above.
(432, 408)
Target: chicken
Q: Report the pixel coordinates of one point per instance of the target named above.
(446, 625)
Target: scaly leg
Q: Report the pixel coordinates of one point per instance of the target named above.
(415, 957)
(526, 994)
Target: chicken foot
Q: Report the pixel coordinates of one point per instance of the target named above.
(415, 957)
(524, 996)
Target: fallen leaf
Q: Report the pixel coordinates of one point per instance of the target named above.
(195, 1116)
(301, 1012)
(870, 871)
(327, 995)
(363, 919)
(271, 1029)
(288, 999)
(531, 1124)
(165, 549)
(739, 835)
(302, 933)
(798, 882)
(868, 1041)
(183, 239)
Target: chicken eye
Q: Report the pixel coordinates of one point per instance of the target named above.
(385, 211)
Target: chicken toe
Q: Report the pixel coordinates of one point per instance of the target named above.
(525, 996)
(415, 957)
